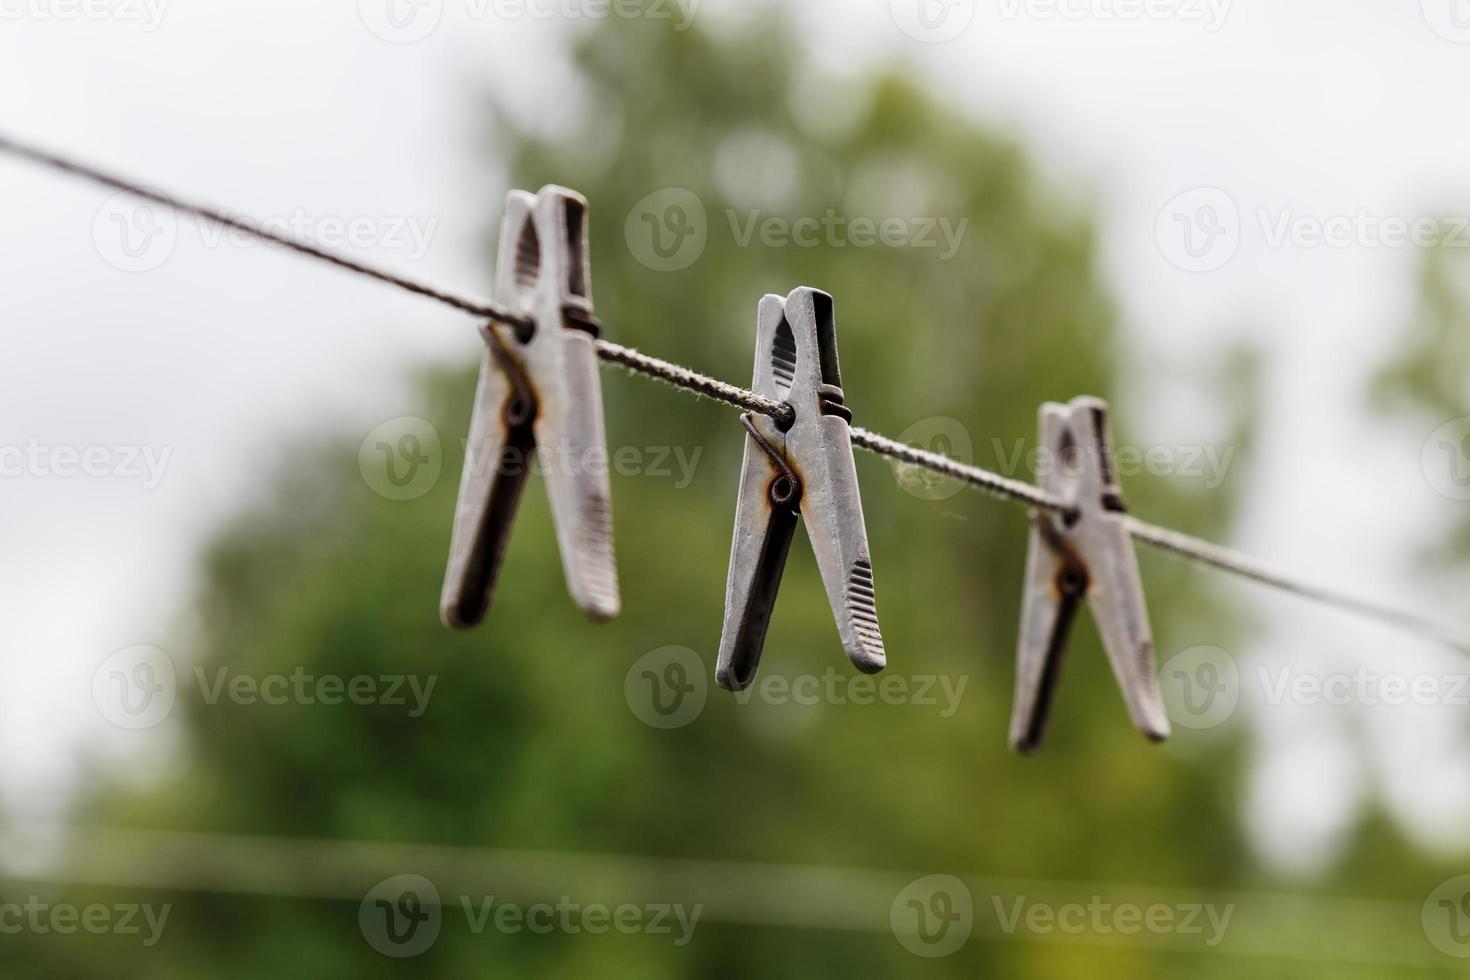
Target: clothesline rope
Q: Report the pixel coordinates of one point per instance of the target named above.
(1164, 539)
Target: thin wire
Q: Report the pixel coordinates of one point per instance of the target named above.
(479, 307)
(1164, 539)
(138, 863)
(700, 384)
(992, 483)
(1248, 567)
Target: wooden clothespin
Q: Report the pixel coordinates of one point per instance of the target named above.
(805, 469)
(1084, 553)
(539, 394)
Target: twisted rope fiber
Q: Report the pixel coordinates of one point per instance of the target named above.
(1163, 539)
(682, 377)
(478, 307)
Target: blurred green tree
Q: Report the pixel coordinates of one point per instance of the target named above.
(1426, 379)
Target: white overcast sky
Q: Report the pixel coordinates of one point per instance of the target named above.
(1306, 110)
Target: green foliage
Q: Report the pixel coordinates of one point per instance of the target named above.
(1427, 378)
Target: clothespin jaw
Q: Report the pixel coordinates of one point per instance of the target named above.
(1084, 554)
(539, 392)
(807, 470)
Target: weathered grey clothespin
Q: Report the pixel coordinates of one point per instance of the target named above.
(805, 469)
(539, 394)
(1084, 553)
